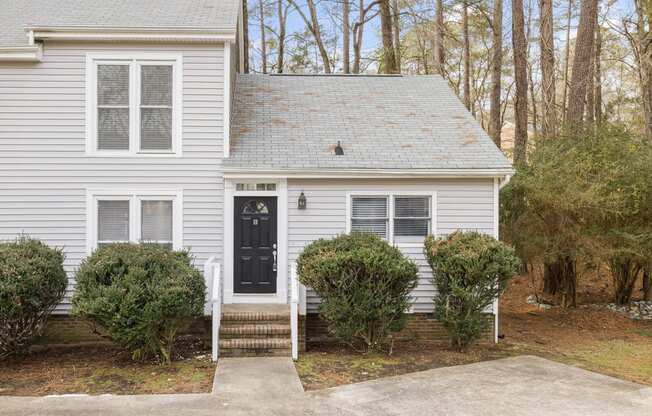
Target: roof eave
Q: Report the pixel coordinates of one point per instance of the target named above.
(31, 53)
(248, 172)
(134, 34)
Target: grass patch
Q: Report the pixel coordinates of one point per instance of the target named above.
(105, 369)
(324, 366)
(620, 358)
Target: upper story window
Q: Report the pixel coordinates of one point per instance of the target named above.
(134, 105)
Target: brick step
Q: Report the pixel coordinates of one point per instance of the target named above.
(255, 317)
(240, 330)
(249, 347)
(253, 352)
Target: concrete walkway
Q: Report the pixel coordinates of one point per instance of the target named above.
(270, 386)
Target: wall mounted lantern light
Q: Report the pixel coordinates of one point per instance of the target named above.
(301, 204)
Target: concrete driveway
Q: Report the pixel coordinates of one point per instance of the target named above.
(513, 386)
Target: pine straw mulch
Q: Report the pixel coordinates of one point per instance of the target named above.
(101, 369)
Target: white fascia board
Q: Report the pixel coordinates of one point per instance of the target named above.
(31, 53)
(149, 34)
(243, 173)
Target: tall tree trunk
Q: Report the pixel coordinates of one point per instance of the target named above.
(346, 33)
(495, 123)
(312, 24)
(581, 65)
(466, 83)
(644, 64)
(530, 69)
(598, 76)
(282, 19)
(389, 58)
(590, 82)
(549, 112)
(520, 76)
(358, 32)
(439, 56)
(245, 36)
(647, 283)
(263, 41)
(560, 280)
(564, 99)
(396, 20)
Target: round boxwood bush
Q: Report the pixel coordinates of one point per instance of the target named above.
(470, 270)
(364, 285)
(32, 283)
(140, 296)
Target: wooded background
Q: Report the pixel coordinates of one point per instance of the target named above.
(524, 68)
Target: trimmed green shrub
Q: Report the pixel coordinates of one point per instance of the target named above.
(32, 283)
(470, 270)
(364, 284)
(140, 295)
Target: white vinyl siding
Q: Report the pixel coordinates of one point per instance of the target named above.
(465, 204)
(45, 171)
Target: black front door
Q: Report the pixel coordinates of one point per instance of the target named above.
(255, 245)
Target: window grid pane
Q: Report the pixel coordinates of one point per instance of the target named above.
(113, 221)
(156, 107)
(156, 222)
(412, 216)
(369, 215)
(155, 128)
(113, 107)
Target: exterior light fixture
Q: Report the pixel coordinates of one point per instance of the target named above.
(301, 204)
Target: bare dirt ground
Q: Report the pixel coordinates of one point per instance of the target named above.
(106, 369)
(592, 338)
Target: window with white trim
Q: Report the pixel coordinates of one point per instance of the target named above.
(369, 214)
(146, 218)
(398, 218)
(134, 105)
(412, 218)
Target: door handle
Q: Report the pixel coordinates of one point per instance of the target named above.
(274, 265)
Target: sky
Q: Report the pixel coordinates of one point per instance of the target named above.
(615, 11)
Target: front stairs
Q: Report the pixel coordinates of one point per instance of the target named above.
(248, 330)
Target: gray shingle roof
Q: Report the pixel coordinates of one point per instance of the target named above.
(410, 122)
(15, 15)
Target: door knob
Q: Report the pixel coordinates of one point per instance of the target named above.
(274, 254)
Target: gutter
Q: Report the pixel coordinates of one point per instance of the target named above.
(242, 172)
(505, 181)
(31, 53)
(144, 33)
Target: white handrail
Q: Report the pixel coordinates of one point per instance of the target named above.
(294, 311)
(216, 301)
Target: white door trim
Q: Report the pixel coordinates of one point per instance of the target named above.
(281, 193)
